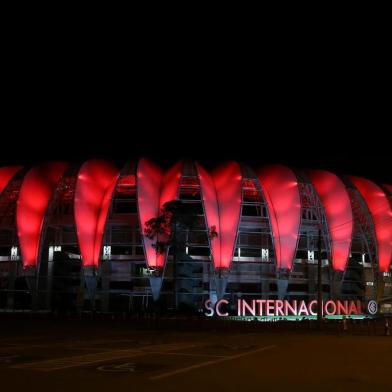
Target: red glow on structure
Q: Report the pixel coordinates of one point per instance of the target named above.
(94, 187)
(153, 190)
(250, 191)
(280, 187)
(149, 179)
(169, 191)
(228, 184)
(34, 196)
(126, 185)
(127, 181)
(189, 181)
(6, 174)
(170, 183)
(380, 210)
(338, 213)
(210, 203)
(222, 203)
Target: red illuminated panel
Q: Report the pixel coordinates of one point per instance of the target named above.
(126, 181)
(250, 191)
(211, 209)
(34, 196)
(94, 187)
(6, 174)
(338, 213)
(170, 183)
(280, 187)
(228, 185)
(222, 203)
(380, 210)
(154, 189)
(149, 180)
(169, 191)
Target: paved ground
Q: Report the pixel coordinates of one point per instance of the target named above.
(59, 356)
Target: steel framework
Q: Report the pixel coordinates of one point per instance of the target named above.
(123, 281)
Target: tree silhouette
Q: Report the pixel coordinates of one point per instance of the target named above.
(169, 230)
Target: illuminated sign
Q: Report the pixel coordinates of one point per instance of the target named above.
(271, 307)
(372, 307)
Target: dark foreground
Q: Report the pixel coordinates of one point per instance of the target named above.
(56, 355)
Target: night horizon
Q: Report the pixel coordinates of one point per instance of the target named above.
(341, 154)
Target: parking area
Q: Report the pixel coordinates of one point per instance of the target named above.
(102, 357)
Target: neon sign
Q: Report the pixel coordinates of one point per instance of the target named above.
(270, 307)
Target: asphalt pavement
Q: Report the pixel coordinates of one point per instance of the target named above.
(103, 356)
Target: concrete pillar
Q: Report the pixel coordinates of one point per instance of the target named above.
(265, 289)
(49, 286)
(90, 279)
(312, 279)
(12, 272)
(155, 285)
(282, 287)
(380, 285)
(105, 285)
(282, 282)
(336, 284)
(30, 275)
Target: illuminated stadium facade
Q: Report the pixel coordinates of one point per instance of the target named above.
(76, 236)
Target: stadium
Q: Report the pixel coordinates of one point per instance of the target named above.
(97, 237)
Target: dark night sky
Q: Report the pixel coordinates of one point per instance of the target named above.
(326, 112)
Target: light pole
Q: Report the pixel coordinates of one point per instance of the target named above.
(319, 284)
